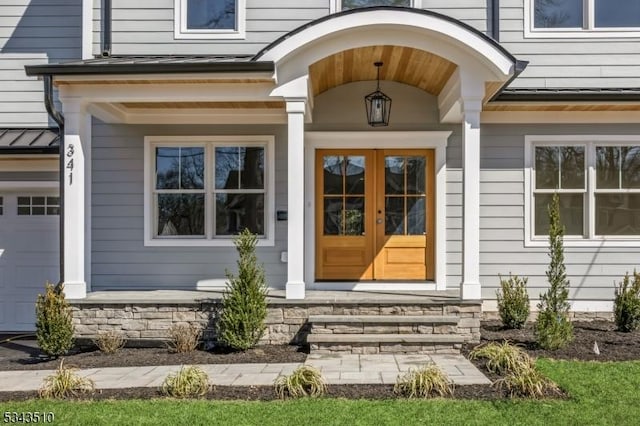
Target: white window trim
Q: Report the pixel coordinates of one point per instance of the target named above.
(588, 29)
(151, 142)
(336, 5)
(182, 32)
(589, 141)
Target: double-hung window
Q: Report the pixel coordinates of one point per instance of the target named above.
(205, 190)
(582, 18)
(338, 5)
(210, 19)
(597, 179)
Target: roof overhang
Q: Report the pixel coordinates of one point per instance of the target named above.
(29, 141)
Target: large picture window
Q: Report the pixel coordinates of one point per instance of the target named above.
(598, 182)
(205, 190)
(583, 18)
(210, 19)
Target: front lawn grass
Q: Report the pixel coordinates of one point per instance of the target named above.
(601, 393)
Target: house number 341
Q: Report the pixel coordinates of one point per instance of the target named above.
(70, 152)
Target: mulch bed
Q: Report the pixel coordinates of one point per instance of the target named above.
(613, 345)
(140, 357)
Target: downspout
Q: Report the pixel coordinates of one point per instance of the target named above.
(105, 49)
(495, 19)
(59, 119)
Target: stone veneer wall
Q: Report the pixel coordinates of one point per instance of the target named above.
(574, 316)
(286, 323)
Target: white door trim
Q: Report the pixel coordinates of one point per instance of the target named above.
(377, 140)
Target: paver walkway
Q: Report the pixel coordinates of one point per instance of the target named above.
(336, 368)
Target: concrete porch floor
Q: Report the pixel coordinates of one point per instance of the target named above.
(275, 297)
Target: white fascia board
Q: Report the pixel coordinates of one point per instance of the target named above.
(224, 76)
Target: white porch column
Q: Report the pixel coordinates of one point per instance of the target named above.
(295, 180)
(77, 148)
(470, 288)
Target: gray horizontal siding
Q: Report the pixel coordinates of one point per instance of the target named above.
(28, 176)
(119, 258)
(144, 27)
(34, 32)
(566, 62)
(592, 271)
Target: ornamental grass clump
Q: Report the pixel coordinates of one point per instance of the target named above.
(184, 338)
(553, 329)
(527, 382)
(626, 305)
(513, 301)
(188, 382)
(244, 304)
(65, 383)
(54, 325)
(110, 342)
(501, 357)
(304, 381)
(424, 382)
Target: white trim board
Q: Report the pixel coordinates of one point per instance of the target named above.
(378, 140)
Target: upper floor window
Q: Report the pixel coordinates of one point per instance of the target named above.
(210, 19)
(353, 4)
(582, 18)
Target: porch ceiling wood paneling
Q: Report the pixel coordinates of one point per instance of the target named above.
(562, 107)
(415, 67)
(201, 105)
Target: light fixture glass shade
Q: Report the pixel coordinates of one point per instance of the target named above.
(378, 107)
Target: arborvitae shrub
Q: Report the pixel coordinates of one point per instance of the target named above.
(54, 326)
(553, 329)
(244, 305)
(513, 301)
(626, 305)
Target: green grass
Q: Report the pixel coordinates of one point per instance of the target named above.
(602, 394)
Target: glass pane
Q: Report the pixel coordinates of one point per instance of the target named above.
(333, 172)
(37, 211)
(24, 201)
(211, 14)
(354, 175)
(394, 216)
(192, 168)
(416, 172)
(227, 164)
(332, 216)
(607, 167)
(571, 213)
(572, 167)
(24, 211)
(558, 13)
(547, 167)
(354, 216)
(617, 13)
(180, 214)
(235, 212)
(416, 215)
(617, 214)
(394, 175)
(167, 168)
(53, 211)
(630, 166)
(352, 4)
(53, 201)
(37, 201)
(252, 167)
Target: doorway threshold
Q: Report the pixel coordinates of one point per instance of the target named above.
(374, 285)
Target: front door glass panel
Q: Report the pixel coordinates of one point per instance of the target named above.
(405, 193)
(343, 194)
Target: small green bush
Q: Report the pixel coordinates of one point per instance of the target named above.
(425, 382)
(527, 382)
(513, 301)
(553, 329)
(501, 358)
(627, 303)
(54, 325)
(304, 381)
(189, 382)
(184, 338)
(64, 383)
(244, 305)
(110, 342)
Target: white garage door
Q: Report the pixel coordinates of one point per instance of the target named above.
(28, 254)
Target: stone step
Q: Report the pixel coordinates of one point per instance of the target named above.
(383, 319)
(388, 338)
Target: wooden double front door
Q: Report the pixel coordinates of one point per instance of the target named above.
(375, 214)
